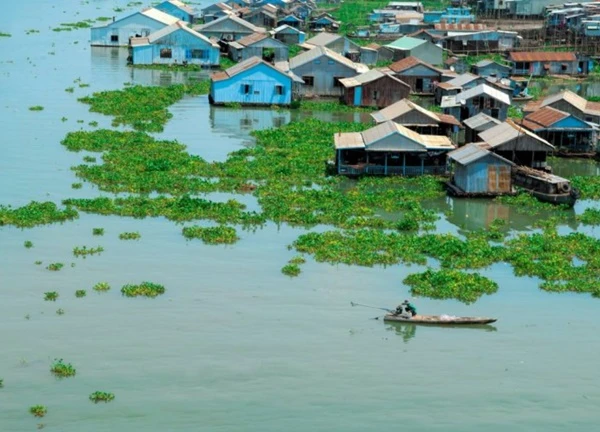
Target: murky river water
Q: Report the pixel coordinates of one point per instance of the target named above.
(234, 345)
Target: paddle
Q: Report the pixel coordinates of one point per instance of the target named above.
(372, 307)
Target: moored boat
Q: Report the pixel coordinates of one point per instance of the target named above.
(439, 319)
(545, 187)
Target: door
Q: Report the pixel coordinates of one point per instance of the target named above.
(419, 85)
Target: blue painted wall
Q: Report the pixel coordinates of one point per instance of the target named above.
(571, 122)
(123, 29)
(181, 44)
(357, 95)
(262, 80)
(473, 178)
(173, 10)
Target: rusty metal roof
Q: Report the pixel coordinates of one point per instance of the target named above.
(409, 62)
(542, 56)
(546, 117)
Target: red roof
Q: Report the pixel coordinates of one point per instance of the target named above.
(409, 62)
(542, 56)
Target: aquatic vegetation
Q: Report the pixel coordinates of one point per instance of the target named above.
(63, 119)
(589, 187)
(130, 236)
(89, 159)
(38, 263)
(211, 235)
(226, 62)
(526, 203)
(84, 251)
(3, 34)
(28, 244)
(100, 396)
(38, 410)
(61, 369)
(55, 266)
(76, 185)
(36, 108)
(31, 31)
(447, 284)
(35, 213)
(80, 293)
(50, 296)
(291, 270)
(1, 383)
(145, 289)
(101, 287)
(60, 312)
(298, 259)
(93, 124)
(144, 108)
(590, 216)
(98, 231)
(332, 106)
(70, 89)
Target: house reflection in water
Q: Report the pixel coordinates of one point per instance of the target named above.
(243, 121)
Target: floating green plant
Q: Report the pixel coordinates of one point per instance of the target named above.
(28, 244)
(55, 266)
(76, 185)
(450, 284)
(212, 235)
(31, 31)
(63, 119)
(1, 383)
(291, 270)
(101, 286)
(35, 213)
(50, 296)
(85, 251)
(38, 263)
(61, 369)
(38, 410)
(80, 293)
(93, 123)
(3, 34)
(145, 289)
(36, 108)
(89, 159)
(60, 312)
(98, 231)
(590, 216)
(298, 259)
(70, 89)
(130, 236)
(100, 396)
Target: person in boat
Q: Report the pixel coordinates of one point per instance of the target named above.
(406, 310)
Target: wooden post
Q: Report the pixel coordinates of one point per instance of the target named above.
(403, 164)
(422, 166)
(385, 163)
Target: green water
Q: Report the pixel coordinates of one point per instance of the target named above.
(234, 345)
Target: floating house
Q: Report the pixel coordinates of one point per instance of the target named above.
(451, 15)
(258, 45)
(420, 76)
(216, 11)
(179, 10)
(456, 85)
(476, 124)
(175, 44)
(335, 42)
(321, 71)
(369, 54)
(482, 41)
(456, 64)
(418, 119)
(138, 24)
(564, 131)
(568, 102)
(374, 88)
(405, 6)
(229, 28)
(424, 50)
(490, 68)
(265, 16)
(482, 98)
(291, 20)
(528, 8)
(288, 35)
(478, 171)
(545, 63)
(252, 82)
(324, 22)
(517, 144)
(390, 149)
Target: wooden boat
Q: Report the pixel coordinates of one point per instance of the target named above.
(522, 98)
(439, 320)
(545, 187)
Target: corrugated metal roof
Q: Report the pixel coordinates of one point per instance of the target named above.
(323, 39)
(160, 16)
(569, 97)
(592, 108)
(400, 108)
(449, 102)
(483, 89)
(319, 51)
(409, 62)
(542, 56)
(233, 18)
(447, 86)
(406, 43)
(479, 120)
(253, 38)
(179, 25)
(348, 140)
(286, 27)
(437, 142)
(463, 79)
(369, 76)
(241, 67)
(546, 116)
(508, 131)
(181, 5)
(471, 153)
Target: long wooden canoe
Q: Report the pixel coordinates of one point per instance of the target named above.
(439, 319)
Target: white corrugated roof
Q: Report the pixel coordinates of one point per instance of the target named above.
(483, 89)
(179, 25)
(480, 119)
(159, 16)
(471, 153)
(463, 79)
(233, 18)
(508, 131)
(568, 96)
(399, 108)
(348, 140)
(319, 51)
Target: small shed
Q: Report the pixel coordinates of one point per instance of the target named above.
(490, 68)
(138, 24)
(478, 171)
(258, 45)
(419, 75)
(374, 88)
(228, 28)
(476, 124)
(481, 98)
(390, 149)
(175, 44)
(288, 35)
(324, 22)
(251, 82)
(424, 50)
(179, 10)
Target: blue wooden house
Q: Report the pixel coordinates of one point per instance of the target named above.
(179, 10)
(175, 44)
(482, 98)
(252, 82)
(544, 63)
(216, 11)
(478, 171)
(288, 35)
(258, 45)
(291, 20)
(228, 28)
(568, 102)
(490, 68)
(138, 24)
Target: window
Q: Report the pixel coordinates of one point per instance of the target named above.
(330, 61)
(563, 67)
(200, 54)
(317, 61)
(375, 94)
(114, 38)
(336, 81)
(246, 88)
(308, 80)
(279, 90)
(166, 53)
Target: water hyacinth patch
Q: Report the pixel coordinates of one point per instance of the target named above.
(38, 410)
(100, 396)
(590, 217)
(28, 244)
(50, 296)
(291, 270)
(61, 369)
(84, 251)
(450, 284)
(36, 108)
(55, 266)
(211, 235)
(80, 293)
(101, 287)
(130, 236)
(76, 185)
(98, 231)
(1, 383)
(145, 289)
(35, 213)
(60, 312)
